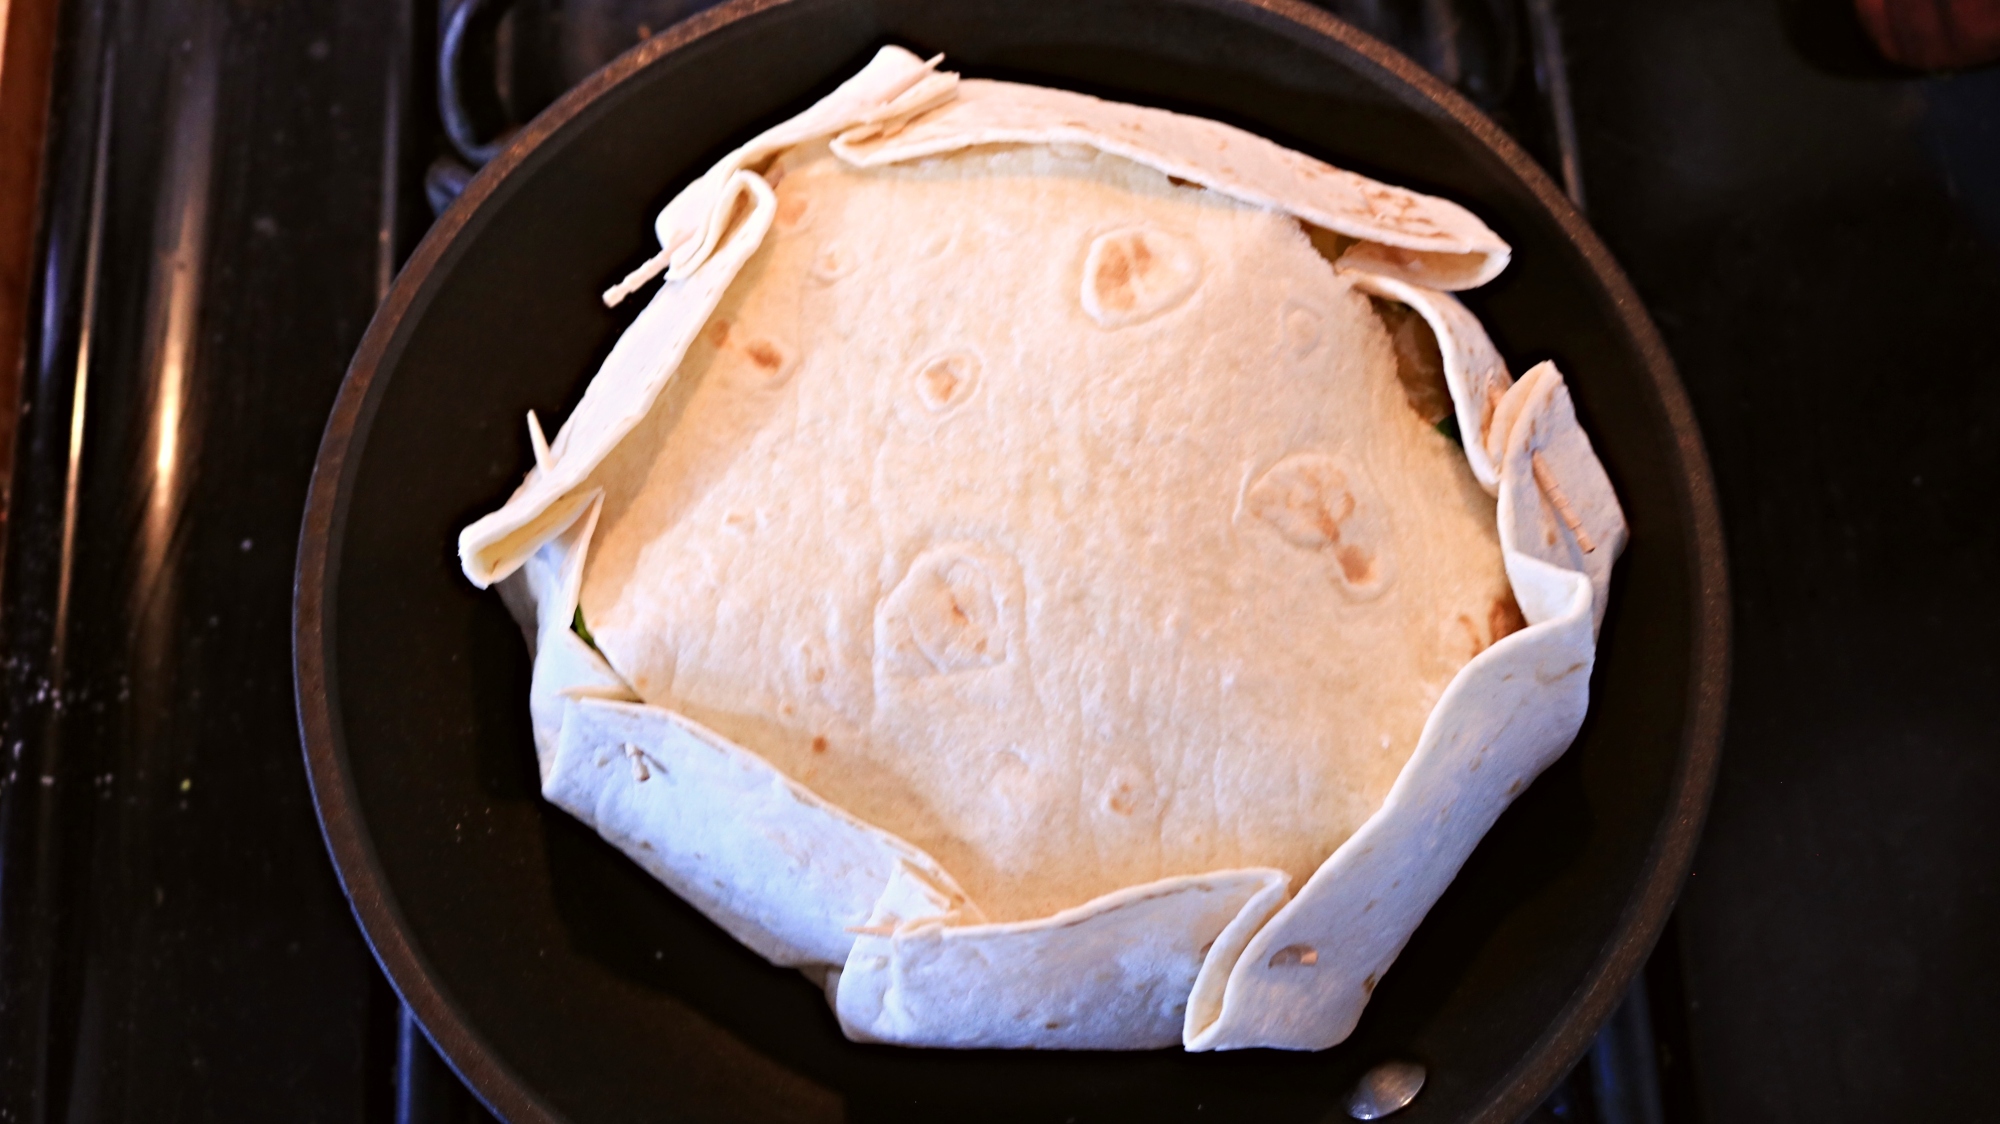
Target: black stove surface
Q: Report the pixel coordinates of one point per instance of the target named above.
(229, 187)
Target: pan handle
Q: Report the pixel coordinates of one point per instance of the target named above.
(468, 37)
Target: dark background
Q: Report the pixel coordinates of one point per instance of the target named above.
(1819, 241)
(228, 186)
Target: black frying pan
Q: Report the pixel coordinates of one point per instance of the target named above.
(564, 984)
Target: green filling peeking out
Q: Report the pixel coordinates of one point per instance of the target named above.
(577, 626)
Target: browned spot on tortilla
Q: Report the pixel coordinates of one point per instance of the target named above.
(1371, 905)
(1368, 985)
(1327, 521)
(1472, 633)
(833, 262)
(819, 745)
(816, 675)
(1559, 677)
(1122, 801)
(1114, 278)
(1135, 274)
(1419, 362)
(718, 333)
(792, 210)
(944, 381)
(764, 355)
(1305, 498)
(1504, 618)
(1052, 1025)
(1356, 564)
(1346, 505)
(645, 846)
(947, 607)
(1179, 182)
(1514, 788)
(939, 382)
(1552, 488)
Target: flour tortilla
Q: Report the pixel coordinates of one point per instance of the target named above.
(1114, 974)
(1399, 233)
(1160, 586)
(723, 215)
(839, 857)
(669, 792)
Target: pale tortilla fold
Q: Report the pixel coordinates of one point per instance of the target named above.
(1216, 960)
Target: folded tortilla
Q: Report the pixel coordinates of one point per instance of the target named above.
(1015, 567)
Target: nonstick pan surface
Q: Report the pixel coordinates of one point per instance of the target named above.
(564, 984)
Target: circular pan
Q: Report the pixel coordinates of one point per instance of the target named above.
(565, 986)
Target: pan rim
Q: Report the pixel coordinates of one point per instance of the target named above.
(363, 879)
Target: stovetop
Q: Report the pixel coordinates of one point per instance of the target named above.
(228, 190)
